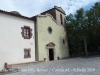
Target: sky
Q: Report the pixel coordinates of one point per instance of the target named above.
(31, 8)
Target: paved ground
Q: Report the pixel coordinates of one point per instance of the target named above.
(71, 66)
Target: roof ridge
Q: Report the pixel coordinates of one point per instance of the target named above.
(13, 14)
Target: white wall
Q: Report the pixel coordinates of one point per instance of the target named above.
(12, 43)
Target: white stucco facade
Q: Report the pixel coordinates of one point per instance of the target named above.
(12, 43)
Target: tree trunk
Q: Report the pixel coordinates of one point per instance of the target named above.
(85, 46)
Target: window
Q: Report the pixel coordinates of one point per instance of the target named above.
(50, 30)
(27, 53)
(63, 41)
(61, 19)
(26, 32)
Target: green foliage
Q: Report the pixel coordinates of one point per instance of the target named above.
(84, 25)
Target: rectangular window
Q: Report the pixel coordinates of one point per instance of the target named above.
(27, 53)
(61, 19)
(63, 41)
(26, 32)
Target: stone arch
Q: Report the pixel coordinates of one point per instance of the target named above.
(51, 44)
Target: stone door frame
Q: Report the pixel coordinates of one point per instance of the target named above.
(51, 45)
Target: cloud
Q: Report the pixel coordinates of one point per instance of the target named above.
(6, 5)
(74, 5)
(33, 7)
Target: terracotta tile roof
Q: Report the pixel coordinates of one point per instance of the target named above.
(57, 8)
(14, 13)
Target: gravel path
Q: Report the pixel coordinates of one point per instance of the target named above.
(71, 66)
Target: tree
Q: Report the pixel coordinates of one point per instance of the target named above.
(81, 23)
(83, 30)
